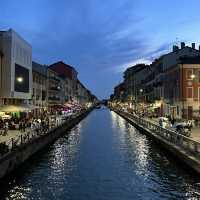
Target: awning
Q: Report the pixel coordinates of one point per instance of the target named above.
(16, 108)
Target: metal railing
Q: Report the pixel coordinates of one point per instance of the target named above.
(171, 136)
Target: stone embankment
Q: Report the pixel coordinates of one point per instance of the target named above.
(18, 151)
(184, 148)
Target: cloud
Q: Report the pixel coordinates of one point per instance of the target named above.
(97, 37)
(143, 53)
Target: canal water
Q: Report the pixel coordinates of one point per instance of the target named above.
(102, 158)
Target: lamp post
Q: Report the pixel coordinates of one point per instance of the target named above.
(192, 76)
(141, 91)
(136, 97)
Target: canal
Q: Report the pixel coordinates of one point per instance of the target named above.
(102, 158)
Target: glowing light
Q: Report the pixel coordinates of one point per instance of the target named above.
(20, 79)
(192, 76)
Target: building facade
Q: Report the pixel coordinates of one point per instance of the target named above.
(68, 73)
(182, 93)
(133, 83)
(39, 95)
(55, 91)
(119, 92)
(169, 86)
(15, 69)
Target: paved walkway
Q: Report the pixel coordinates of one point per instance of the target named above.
(16, 133)
(196, 134)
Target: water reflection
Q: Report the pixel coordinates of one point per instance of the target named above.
(104, 157)
(134, 144)
(160, 174)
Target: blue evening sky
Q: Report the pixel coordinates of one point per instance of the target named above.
(101, 38)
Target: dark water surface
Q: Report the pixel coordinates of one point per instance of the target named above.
(102, 158)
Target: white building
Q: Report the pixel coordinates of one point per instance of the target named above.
(15, 69)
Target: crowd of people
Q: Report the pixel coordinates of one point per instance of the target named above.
(29, 121)
(22, 124)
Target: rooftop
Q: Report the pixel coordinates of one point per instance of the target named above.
(64, 69)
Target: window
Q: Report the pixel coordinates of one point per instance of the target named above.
(21, 79)
(189, 73)
(189, 93)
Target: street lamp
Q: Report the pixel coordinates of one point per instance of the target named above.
(193, 79)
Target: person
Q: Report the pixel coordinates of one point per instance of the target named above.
(172, 121)
(23, 126)
(43, 125)
(20, 126)
(6, 128)
(37, 126)
(32, 126)
(189, 124)
(160, 122)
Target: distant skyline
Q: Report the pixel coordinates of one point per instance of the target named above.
(101, 38)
